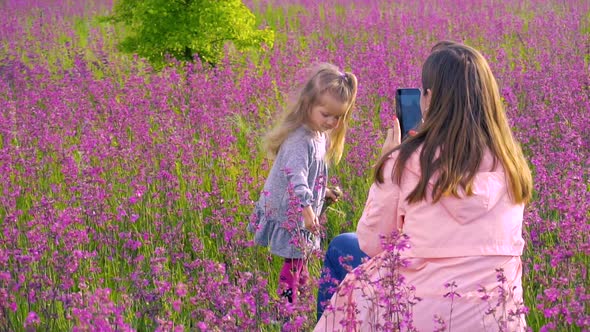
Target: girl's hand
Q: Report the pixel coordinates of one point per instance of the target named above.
(310, 220)
(333, 194)
(393, 139)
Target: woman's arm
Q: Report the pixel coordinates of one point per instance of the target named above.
(381, 215)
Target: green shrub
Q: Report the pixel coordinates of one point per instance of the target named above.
(187, 28)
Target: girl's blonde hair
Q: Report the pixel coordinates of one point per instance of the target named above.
(324, 78)
(465, 118)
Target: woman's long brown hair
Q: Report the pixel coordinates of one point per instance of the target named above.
(464, 119)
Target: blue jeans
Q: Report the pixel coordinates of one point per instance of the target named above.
(345, 246)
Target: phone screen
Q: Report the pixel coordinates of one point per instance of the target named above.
(408, 109)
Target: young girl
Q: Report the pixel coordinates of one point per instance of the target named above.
(308, 138)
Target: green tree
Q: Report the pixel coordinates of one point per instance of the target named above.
(185, 28)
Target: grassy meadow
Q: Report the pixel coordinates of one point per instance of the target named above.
(125, 192)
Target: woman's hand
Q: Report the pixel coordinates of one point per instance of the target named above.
(310, 220)
(393, 139)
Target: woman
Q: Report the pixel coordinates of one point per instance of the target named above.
(456, 190)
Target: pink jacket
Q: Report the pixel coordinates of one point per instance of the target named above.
(487, 223)
(454, 240)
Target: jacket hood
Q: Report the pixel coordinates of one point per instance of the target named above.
(489, 187)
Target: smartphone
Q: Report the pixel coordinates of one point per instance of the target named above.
(407, 109)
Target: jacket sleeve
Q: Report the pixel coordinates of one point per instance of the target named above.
(298, 155)
(381, 215)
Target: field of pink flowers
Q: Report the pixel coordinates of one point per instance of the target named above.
(125, 193)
